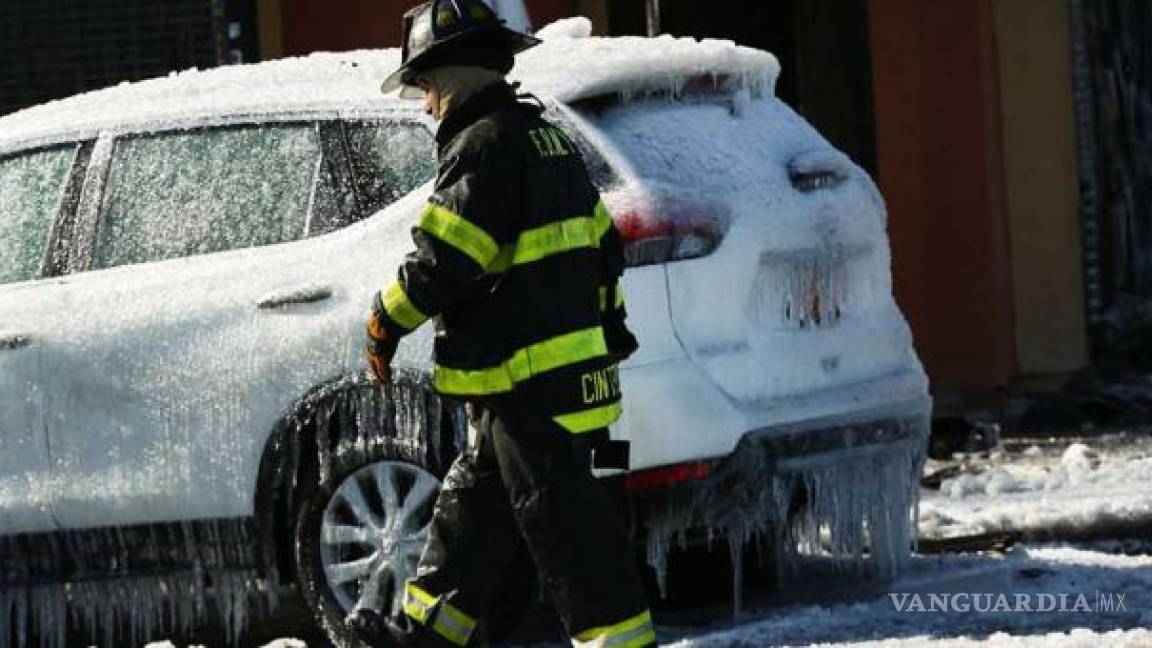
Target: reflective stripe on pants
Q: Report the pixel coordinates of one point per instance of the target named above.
(635, 632)
(448, 621)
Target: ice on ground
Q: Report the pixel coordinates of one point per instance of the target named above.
(1077, 638)
(1030, 571)
(1079, 459)
(279, 643)
(1080, 486)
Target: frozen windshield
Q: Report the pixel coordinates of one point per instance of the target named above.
(390, 159)
(31, 187)
(193, 192)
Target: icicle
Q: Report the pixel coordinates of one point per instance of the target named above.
(736, 550)
(858, 507)
(205, 567)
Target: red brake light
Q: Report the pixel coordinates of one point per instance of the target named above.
(667, 476)
(664, 233)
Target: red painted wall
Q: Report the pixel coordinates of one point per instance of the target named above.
(547, 11)
(939, 157)
(313, 25)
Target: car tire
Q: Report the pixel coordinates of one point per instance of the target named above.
(409, 464)
(366, 518)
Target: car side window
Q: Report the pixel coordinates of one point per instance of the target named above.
(31, 188)
(389, 160)
(183, 193)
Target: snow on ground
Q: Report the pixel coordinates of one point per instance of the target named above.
(1077, 485)
(1078, 638)
(978, 616)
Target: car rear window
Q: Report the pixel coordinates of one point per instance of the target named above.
(182, 193)
(31, 188)
(575, 126)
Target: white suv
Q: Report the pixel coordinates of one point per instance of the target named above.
(185, 269)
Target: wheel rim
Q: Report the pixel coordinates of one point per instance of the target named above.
(372, 533)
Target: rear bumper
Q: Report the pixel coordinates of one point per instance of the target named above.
(771, 475)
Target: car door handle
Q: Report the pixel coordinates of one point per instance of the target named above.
(13, 342)
(301, 295)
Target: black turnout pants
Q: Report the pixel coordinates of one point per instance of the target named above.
(525, 482)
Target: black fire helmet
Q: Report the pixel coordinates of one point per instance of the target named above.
(455, 32)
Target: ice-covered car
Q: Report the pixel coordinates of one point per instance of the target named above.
(185, 268)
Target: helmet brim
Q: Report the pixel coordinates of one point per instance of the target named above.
(395, 81)
(405, 75)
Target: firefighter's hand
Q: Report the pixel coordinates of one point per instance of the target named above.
(379, 350)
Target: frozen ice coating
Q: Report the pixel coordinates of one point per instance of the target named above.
(574, 27)
(208, 576)
(164, 408)
(855, 505)
(569, 68)
(563, 68)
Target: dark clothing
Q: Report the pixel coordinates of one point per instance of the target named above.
(518, 260)
(558, 512)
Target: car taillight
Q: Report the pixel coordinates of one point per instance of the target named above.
(662, 233)
(667, 476)
(649, 240)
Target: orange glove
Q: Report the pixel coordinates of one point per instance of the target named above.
(380, 349)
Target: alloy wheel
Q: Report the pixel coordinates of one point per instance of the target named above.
(372, 533)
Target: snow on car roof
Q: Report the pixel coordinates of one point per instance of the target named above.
(570, 65)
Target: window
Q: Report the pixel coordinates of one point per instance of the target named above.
(599, 171)
(31, 188)
(194, 192)
(389, 159)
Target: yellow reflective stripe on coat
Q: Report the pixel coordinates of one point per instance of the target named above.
(457, 231)
(632, 633)
(592, 419)
(563, 236)
(400, 308)
(538, 358)
(554, 238)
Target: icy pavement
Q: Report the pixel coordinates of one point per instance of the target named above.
(1059, 487)
(1092, 594)
(908, 615)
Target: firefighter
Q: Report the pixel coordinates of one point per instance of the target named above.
(518, 261)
